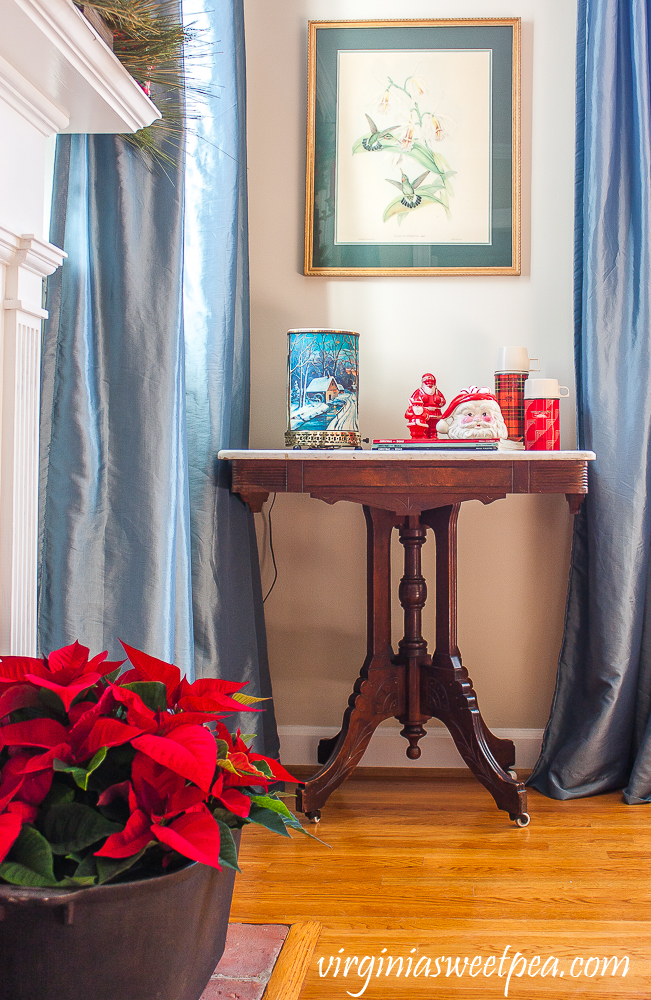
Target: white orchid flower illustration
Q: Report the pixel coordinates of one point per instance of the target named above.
(391, 101)
(409, 133)
(416, 86)
(433, 128)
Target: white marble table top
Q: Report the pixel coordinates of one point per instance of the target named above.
(350, 455)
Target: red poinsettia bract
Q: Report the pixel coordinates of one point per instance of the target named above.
(69, 725)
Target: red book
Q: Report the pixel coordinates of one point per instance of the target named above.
(430, 442)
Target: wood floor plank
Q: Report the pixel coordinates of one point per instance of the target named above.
(433, 866)
(293, 962)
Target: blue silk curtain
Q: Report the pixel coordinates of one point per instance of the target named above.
(145, 378)
(599, 734)
(229, 632)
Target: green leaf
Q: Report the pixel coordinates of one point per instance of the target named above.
(58, 793)
(279, 807)
(227, 848)
(438, 184)
(434, 194)
(261, 765)
(268, 818)
(82, 774)
(433, 161)
(228, 818)
(226, 764)
(247, 738)
(76, 880)
(18, 874)
(31, 863)
(116, 768)
(222, 749)
(153, 693)
(32, 852)
(71, 826)
(247, 699)
(110, 868)
(52, 702)
(287, 817)
(271, 802)
(87, 867)
(113, 676)
(86, 695)
(421, 154)
(397, 208)
(442, 164)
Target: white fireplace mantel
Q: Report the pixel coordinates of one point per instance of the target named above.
(56, 75)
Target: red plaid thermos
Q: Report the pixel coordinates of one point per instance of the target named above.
(512, 367)
(541, 414)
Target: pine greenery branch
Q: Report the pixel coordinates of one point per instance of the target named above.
(146, 34)
(146, 20)
(149, 41)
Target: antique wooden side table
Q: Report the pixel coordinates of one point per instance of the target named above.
(413, 492)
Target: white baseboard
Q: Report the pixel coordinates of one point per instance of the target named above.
(298, 746)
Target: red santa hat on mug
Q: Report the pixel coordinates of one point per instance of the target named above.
(470, 395)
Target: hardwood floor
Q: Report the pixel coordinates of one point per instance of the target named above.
(429, 869)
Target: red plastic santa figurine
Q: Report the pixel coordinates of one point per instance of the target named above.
(424, 408)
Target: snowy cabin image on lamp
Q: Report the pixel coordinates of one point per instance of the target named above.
(322, 388)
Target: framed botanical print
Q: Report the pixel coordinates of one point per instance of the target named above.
(413, 155)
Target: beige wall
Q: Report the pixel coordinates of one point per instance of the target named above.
(513, 554)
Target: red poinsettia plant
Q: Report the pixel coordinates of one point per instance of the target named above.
(108, 774)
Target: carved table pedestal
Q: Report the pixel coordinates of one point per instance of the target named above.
(411, 492)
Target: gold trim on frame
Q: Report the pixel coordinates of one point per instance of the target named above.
(514, 22)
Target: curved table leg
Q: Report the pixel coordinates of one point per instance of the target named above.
(379, 690)
(449, 696)
(447, 689)
(502, 750)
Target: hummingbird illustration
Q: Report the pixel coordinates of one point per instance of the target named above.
(373, 141)
(409, 197)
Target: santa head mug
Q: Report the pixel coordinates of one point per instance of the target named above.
(474, 413)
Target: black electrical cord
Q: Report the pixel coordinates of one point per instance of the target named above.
(271, 549)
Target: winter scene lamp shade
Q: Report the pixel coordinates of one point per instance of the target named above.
(322, 389)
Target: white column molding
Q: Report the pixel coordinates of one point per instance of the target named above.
(26, 261)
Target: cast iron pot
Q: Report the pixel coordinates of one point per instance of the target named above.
(154, 939)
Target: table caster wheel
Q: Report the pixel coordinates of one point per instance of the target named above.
(315, 816)
(512, 774)
(522, 819)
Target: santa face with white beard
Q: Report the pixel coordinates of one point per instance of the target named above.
(474, 418)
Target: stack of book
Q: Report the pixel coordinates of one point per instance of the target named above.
(444, 444)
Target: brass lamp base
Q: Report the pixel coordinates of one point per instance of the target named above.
(323, 439)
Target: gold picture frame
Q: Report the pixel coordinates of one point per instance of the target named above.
(467, 66)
